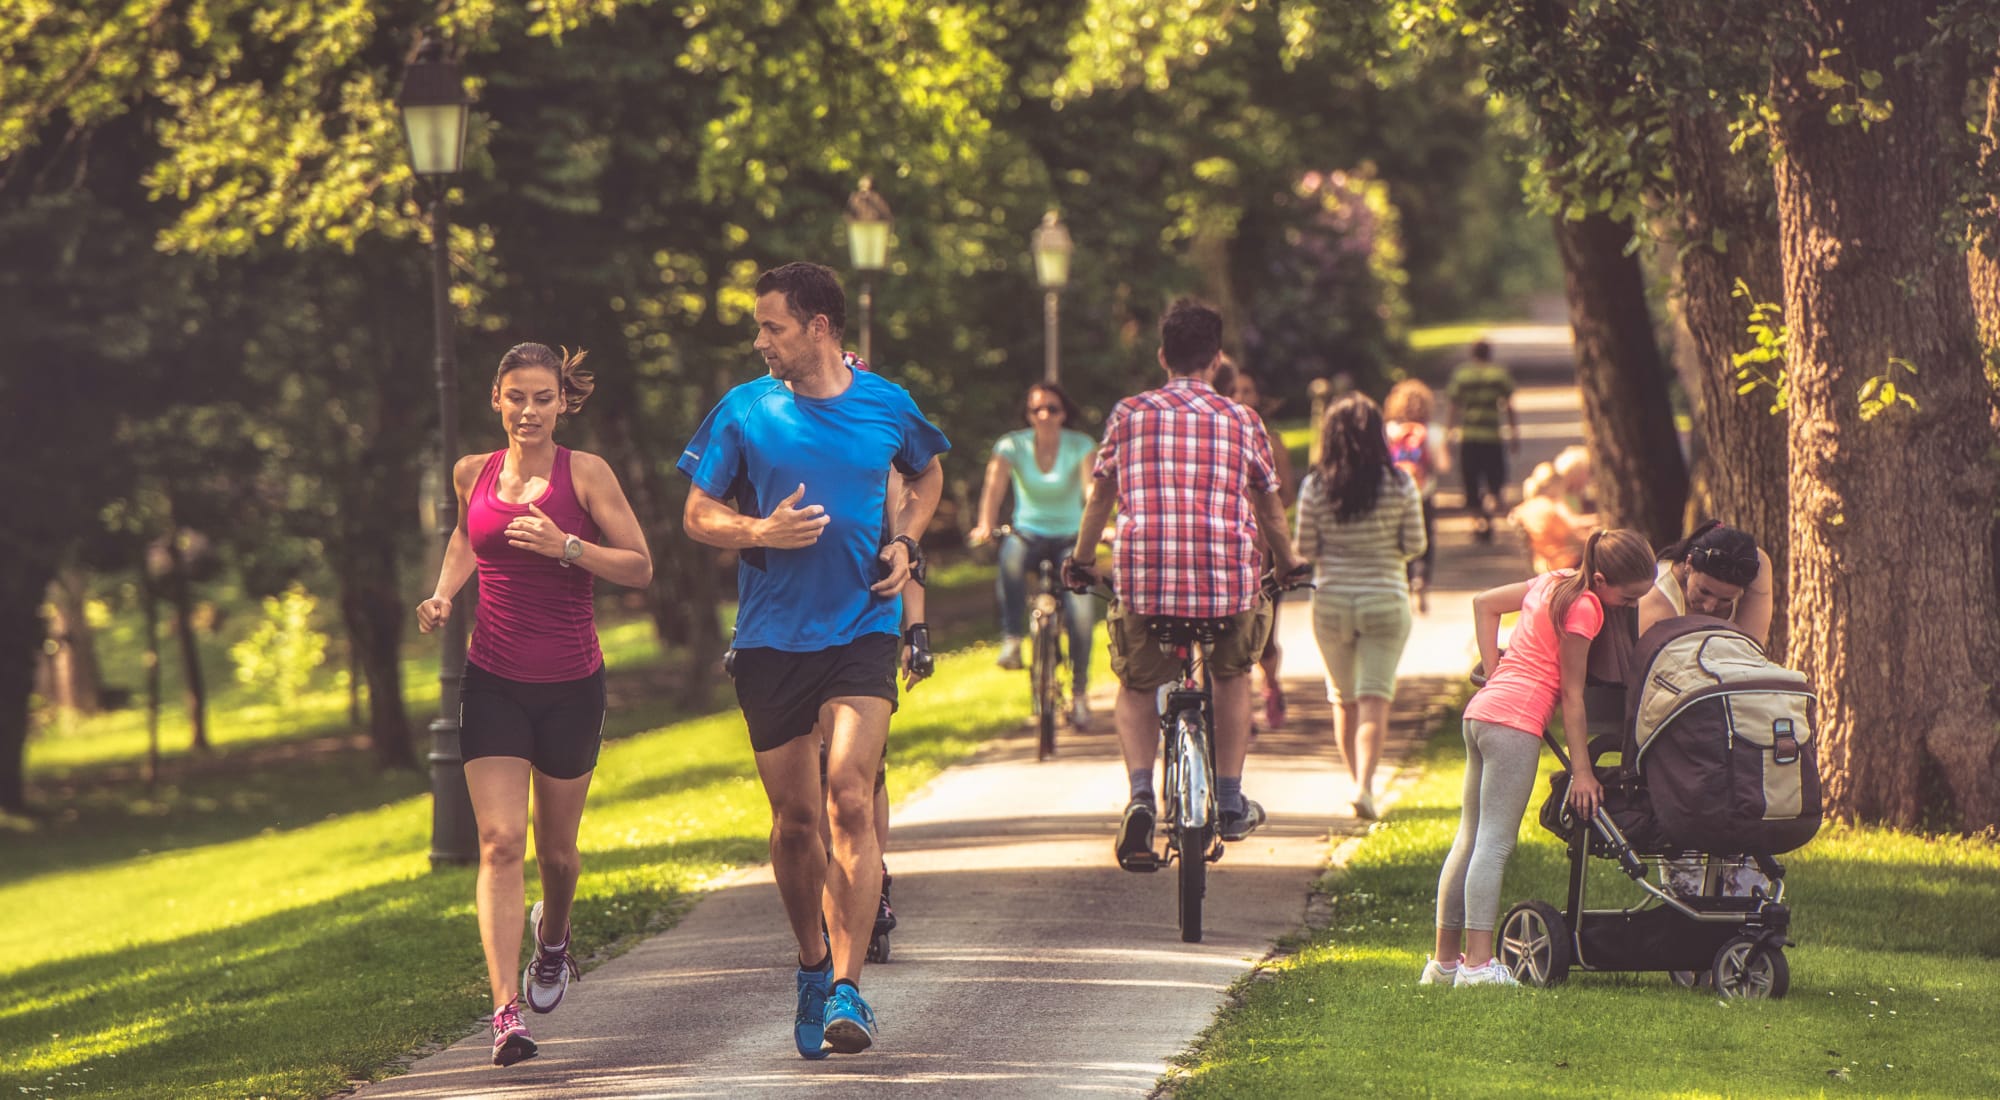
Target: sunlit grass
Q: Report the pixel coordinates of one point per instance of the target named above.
(1894, 982)
(210, 948)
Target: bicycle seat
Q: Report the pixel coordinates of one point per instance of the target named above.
(1178, 631)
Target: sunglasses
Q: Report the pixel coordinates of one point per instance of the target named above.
(1050, 409)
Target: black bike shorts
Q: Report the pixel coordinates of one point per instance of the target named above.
(781, 692)
(555, 727)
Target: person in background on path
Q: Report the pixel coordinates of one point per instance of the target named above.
(1545, 661)
(539, 522)
(1361, 522)
(1248, 390)
(1418, 452)
(1572, 466)
(1555, 534)
(1185, 467)
(792, 471)
(1481, 393)
(1048, 463)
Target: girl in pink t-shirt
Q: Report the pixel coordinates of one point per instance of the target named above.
(1503, 726)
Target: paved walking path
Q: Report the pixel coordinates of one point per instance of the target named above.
(1028, 963)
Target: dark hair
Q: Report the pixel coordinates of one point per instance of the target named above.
(1621, 555)
(1718, 550)
(1190, 336)
(810, 291)
(1224, 378)
(1482, 350)
(1353, 456)
(1072, 416)
(572, 381)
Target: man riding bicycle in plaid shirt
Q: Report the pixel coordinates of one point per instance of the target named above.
(1191, 475)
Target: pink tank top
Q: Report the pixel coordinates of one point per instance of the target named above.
(535, 621)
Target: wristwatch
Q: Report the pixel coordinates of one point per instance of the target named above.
(572, 550)
(916, 555)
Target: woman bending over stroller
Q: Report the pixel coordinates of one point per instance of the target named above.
(1717, 571)
(1560, 613)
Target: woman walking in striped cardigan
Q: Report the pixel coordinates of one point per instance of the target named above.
(1361, 521)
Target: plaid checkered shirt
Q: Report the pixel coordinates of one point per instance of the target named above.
(1184, 460)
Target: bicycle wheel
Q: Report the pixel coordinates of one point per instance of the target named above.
(1187, 802)
(1048, 691)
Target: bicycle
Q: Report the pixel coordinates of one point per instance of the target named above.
(1048, 674)
(1191, 820)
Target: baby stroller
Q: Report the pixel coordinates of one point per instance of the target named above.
(1716, 766)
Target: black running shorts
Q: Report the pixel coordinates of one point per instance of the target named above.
(781, 692)
(555, 727)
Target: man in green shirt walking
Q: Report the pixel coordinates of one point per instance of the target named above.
(1481, 394)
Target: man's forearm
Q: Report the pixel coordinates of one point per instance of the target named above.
(713, 523)
(1103, 498)
(920, 501)
(1271, 520)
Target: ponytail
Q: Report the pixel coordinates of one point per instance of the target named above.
(575, 382)
(1569, 588)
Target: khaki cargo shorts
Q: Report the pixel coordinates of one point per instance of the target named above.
(1140, 664)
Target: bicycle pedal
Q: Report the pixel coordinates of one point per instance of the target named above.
(1145, 861)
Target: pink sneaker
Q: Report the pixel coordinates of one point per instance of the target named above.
(511, 1041)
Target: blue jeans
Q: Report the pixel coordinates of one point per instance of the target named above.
(1019, 555)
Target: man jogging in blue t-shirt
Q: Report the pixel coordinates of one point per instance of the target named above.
(792, 470)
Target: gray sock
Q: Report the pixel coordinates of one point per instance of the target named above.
(1142, 784)
(1229, 793)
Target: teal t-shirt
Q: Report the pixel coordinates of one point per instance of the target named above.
(1046, 502)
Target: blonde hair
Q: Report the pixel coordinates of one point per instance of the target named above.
(1623, 556)
(1409, 400)
(1570, 458)
(1540, 480)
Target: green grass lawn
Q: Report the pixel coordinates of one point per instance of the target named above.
(1894, 985)
(215, 940)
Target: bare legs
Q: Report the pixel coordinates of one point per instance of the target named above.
(499, 786)
(1360, 727)
(1139, 730)
(848, 887)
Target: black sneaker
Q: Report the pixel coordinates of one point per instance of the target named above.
(1135, 836)
(1239, 824)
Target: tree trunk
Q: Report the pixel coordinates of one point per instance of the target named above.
(149, 597)
(1729, 204)
(74, 677)
(371, 608)
(1628, 421)
(180, 594)
(22, 585)
(1983, 264)
(1893, 614)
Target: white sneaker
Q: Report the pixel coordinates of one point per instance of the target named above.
(547, 975)
(1010, 652)
(1490, 974)
(1436, 974)
(1079, 714)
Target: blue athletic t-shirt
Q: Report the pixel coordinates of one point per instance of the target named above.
(761, 442)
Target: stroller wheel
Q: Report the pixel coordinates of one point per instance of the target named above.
(1691, 979)
(1535, 943)
(1748, 967)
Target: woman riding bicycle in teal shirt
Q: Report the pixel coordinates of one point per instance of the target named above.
(1049, 465)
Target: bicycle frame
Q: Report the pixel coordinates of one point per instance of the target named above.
(1189, 746)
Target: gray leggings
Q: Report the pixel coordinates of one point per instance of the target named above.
(1500, 767)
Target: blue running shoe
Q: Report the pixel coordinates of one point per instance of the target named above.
(850, 1023)
(809, 1026)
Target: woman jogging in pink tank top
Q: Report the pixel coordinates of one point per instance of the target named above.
(540, 522)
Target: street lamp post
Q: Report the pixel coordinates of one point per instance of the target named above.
(1052, 248)
(868, 222)
(434, 108)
